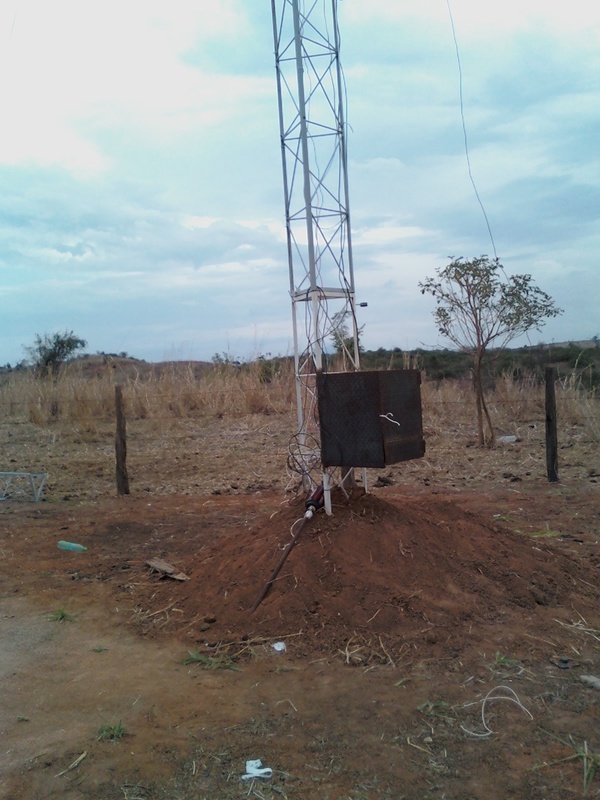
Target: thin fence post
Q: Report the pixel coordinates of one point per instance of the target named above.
(121, 444)
(551, 430)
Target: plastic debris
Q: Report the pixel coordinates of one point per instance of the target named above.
(591, 680)
(279, 647)
(73, 546)
(255, 769)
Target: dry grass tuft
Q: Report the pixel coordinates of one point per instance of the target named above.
(266, 388)
(175, 393)
(514, 405)
(228, 429)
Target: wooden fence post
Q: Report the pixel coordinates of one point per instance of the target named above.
(551, 434)
(121, 444)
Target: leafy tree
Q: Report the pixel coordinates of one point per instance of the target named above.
(51, 350)
(342, 338)
(225, 359)
(477, 305)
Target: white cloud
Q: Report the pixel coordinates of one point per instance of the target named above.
(194, 222)
(387, 233)
(142, 199)
(477, 18)
(72, 70)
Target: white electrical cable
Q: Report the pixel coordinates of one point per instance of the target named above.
(488, 699)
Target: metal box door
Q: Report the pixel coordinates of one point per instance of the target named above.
(370, 419)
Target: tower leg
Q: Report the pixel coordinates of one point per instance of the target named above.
(327, 494)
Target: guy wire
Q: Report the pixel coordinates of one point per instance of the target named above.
(464, 127)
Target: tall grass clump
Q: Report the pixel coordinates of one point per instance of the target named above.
(173, 392)
(579, 405)
(44, 401)
(448, 405)
(225, 390)
(519, 400)
(178, 391)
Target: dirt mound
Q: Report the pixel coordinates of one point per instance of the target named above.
(375, 571)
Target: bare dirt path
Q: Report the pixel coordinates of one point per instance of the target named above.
(381, 692)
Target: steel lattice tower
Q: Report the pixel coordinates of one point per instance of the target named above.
(311, 98)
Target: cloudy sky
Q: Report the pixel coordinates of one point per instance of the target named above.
(142, 202)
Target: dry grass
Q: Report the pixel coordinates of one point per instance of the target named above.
(228, 430)
(177, 393)
(514, 405)
(580, 405)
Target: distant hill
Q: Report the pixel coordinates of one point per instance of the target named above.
(99, 364)
(579, 358)
(130, 367)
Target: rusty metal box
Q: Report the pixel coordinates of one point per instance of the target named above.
(370, 419)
